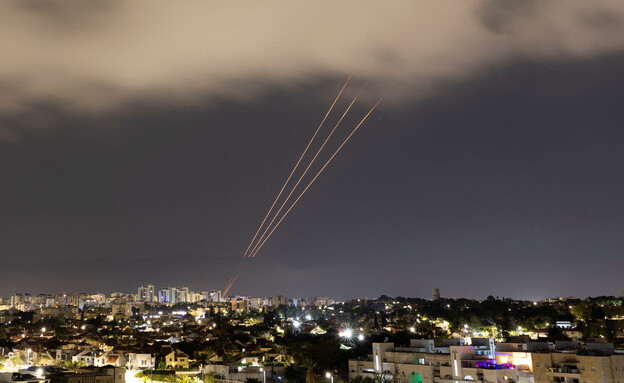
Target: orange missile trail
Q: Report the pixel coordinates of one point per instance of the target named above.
(230, 284)
(227, 287)
(232, 280)
(317, 174)
(254, 251)
(296, 165)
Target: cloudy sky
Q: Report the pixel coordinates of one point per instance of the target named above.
(143, 142)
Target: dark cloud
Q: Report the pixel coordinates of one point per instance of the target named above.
(604, 19)
(499, 16)
(67, 16)
(101, 56)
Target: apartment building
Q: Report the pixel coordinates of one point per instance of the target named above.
(422, 362)
(583, 366)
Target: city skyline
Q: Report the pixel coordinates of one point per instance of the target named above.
(493, 167)
(162, 295)
(55, 339)
(147, 297)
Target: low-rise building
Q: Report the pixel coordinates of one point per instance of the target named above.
(87, 357)
(177, 359)
(16, 377)
(110, 359)
(96, 375)
(140, 361)
(121, 309)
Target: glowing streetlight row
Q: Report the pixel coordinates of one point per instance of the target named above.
(348, 334)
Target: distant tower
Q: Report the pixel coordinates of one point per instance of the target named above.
(436, 293)
(146, 293)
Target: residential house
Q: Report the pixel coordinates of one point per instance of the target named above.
(140, 361)
(110, 359)
(87, 357)
(177, 359)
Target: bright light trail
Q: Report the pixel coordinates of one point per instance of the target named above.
(228, 285)
(296, 165)
(307, 168)
(318, 174)
(231, 283)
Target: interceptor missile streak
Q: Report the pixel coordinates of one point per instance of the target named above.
(296, 165)
(316, 176)
(308, 168)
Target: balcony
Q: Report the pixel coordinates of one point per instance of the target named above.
(565, 380)
(449, 378)
(563, 374)
(487, 364)
(564, 370)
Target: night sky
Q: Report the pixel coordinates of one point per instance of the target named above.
(135, 150)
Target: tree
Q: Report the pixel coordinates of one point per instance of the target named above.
(19, 358)
(162, 364)
(556, 333)
(186, 379)
(61, 333)
(381, 377)
(294, 374)
(610, 330)
(310, 365)
(582, 312)
(74, 366)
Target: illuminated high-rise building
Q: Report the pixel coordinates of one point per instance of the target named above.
(436, 293)
(146, 293)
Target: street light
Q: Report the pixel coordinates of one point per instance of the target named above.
(28, 359)
(346, 333)
(263, 375)
(329, 375)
